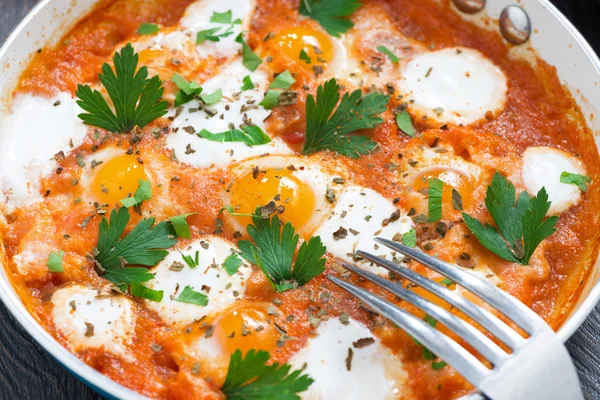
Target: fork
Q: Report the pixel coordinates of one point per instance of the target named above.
(537, 366)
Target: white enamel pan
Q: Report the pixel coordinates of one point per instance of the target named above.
(553, 38)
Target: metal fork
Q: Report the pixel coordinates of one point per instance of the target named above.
(537, 367)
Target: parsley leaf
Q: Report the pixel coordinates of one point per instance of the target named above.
(144, 245)
(410, 238)
(490, 238)
(139, 290)
(438, 365)
(250, 378)
(274, 251)
(147, 29)
(247, 83)
(304, 57)
(189, 295)
(135, 98)
(221, 18)
(55, 260)
(232, 263)
(333, 15)
(447, 282)
(434, 203)
(282, 81)
(187, 90)
(251, 135)
(520, 224)
(249, 59)
(271, 99)
(212, 98)
(180, 225)
(191, 262)
(325, 131)
(143, 192)
(575, 179)
(404, 123)
(535, 229)
(393, 58)
(210, 34)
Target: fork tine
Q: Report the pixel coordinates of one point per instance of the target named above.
(486, 347)
(500, 300)
(483, 317)
(447, 349)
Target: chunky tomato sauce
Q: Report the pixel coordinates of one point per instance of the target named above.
(539, 112)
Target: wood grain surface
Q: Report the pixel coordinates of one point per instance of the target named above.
(27, 372)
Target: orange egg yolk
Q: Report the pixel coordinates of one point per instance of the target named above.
(246, 327)
(317, 45)
(279, 185)
(116, 178)
(452, 180)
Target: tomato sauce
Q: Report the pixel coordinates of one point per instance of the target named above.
(539, 112)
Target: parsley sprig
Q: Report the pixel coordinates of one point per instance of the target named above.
(521, 225)
(274, 251)
(250, 377)
(329, 130)
(333, 15)
(144, 245)
(135, 98)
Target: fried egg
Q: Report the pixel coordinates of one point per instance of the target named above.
(420, 164)
(370, 372)
(327, 55)
(172, 275)
(198, 18)
(51, 126)
(235, 109)
(302, 188)
(244, 326)
(166, 52)
(455, 85)
(361, 214)
(542, 167)
(111, 175)
(90, 318)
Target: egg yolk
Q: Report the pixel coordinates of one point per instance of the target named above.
(246, 327)
(290, 194)
(317, 45)
(452, 180)
(116, 178)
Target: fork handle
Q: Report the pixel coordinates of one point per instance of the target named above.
(542, 369)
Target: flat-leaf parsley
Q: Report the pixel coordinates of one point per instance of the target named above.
(521, 225)
(333, 15)
(144, 245)
(135, 98)
(251, 378)
(329, 130)
(274, 252)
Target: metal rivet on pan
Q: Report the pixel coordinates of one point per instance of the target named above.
(515, 25)
(469, 6)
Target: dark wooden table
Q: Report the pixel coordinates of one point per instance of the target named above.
(27, 372)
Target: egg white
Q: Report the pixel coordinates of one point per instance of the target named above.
(50, 125)
(197, 18)
(426, 159)
(455, 85)
(112, 317)
(362, 210)
(375, 373)
(235, 109)
(542, 167)
(208, 277)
